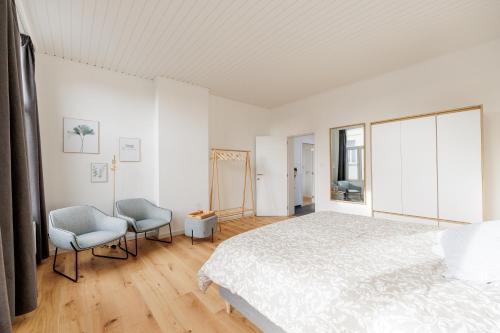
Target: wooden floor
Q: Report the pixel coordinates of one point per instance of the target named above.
(154, 292)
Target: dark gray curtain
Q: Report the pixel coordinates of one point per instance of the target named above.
(18, 268)
(342, 155)
(33, 145)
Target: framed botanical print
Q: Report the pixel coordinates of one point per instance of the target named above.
(99, 172)
(80, 136)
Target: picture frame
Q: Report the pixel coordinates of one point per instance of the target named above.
(130, 149)
(99, 172)
(81, 136)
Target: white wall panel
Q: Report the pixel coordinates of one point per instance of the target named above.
(469, 77)
(182, 125)
(459, 166)
(419, 171)
(386, 167)
(124, 107)
(235, 125)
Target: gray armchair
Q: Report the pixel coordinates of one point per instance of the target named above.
(349, 189)
(144, 216)
(81, 228)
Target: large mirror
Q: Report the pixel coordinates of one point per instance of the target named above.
(347, 163)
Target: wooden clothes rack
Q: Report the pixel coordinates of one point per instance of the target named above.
(231, 155)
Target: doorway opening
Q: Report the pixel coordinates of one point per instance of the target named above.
(301, 165)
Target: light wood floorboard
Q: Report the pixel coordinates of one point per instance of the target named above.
(306, 201)
(154, 292)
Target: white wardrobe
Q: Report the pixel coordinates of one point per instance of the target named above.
(429, 166)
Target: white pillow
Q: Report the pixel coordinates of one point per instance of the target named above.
(472, 252)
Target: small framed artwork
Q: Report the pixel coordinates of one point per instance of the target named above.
(80, 136)
(99, 172)
(130, 150)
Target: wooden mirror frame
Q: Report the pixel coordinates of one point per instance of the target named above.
(360, 125)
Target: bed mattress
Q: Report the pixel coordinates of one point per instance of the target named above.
(331, 272)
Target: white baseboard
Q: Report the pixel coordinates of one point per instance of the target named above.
(407, 219)
(419, 220)
(130, 236)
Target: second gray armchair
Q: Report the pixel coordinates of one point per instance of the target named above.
(144, 216)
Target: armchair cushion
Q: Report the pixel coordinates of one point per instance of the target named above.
(348, 186)
(96, 238)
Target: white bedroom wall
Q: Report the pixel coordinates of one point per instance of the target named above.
(124, 106)
(177, 124)
(181, 112)
(234, 125)
(468, 77)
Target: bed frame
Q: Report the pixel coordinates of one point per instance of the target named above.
(252, 314)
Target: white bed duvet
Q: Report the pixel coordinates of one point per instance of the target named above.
(331, 272)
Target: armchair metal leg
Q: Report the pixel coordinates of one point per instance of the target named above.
(112, 257)
(75, 279)
(126, 248)
(145, 236)
(159, 240)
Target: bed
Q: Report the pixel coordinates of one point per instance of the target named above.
(332, 272)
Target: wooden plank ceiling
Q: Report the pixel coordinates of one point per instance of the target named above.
(263, 52)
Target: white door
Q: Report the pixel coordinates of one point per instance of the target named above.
(308, 170)
(459, 166)
(419, 170)
(271, 169)
(386, 167)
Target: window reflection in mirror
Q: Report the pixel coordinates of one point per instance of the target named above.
(347, 163)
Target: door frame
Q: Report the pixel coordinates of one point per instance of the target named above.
(313, 169)
(290, 165)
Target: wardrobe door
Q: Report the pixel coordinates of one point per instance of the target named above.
(386, 167)
(459, 166)
(419, 170)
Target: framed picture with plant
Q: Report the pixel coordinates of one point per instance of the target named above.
(99, 172)
(80, 136)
